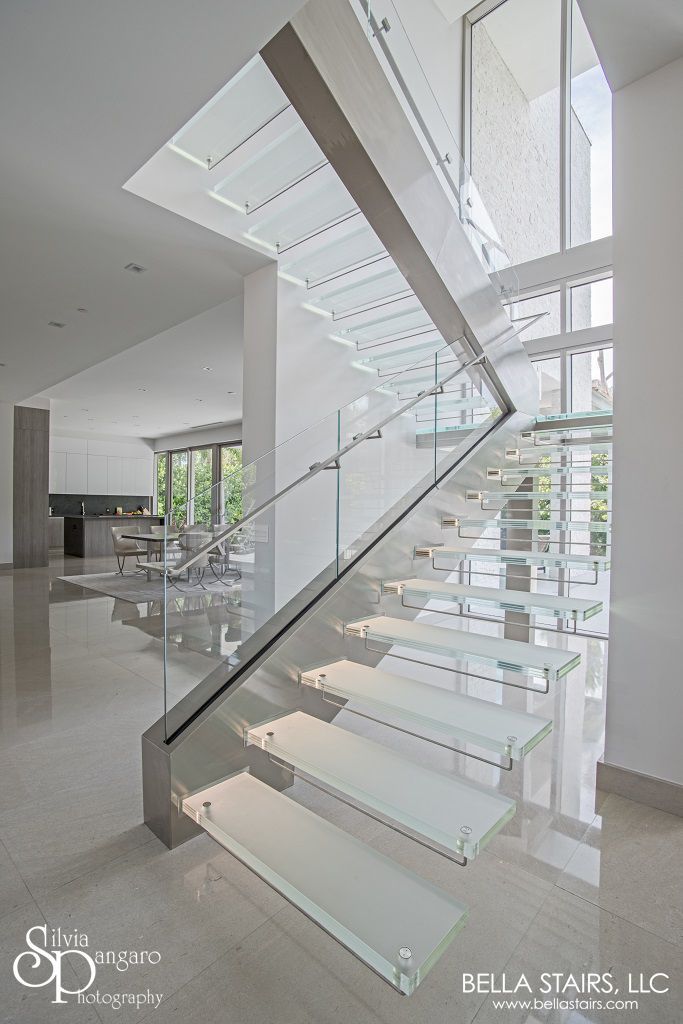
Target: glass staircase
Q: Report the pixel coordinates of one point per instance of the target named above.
(303, 856)
(435, 405)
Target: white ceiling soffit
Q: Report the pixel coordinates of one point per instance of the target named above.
(88, 90)
(176, 381)
(526, 34)
(634, 37)
(454, 9)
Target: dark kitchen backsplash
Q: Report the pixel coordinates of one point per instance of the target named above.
(96, 504)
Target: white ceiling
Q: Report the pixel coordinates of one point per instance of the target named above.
(88, 90)
(634, 37)
(160, 386)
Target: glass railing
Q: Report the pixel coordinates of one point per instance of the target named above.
(240, 562)
(404, 71)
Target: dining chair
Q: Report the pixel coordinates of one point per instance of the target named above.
(125, 547)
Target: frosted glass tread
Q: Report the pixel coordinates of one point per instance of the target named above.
(542, 495)
(453, 715)
(511, 600)
(433, 804)
(367, 902)
(567, 525)
(512, 655)
(547, 558)
(599, 447)
(553, 470)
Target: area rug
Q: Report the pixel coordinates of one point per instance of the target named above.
(136, 589)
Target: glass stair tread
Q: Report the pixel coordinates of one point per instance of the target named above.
(432, 804)
(498, 472)
(366, 901)
(468, 719)
(466, 403)
(249, 101)
(325, 204)
(539, 451)
(406, 357)
(279, 165)
(536, 495)
(348, 298)
(332, 260)
(452, 428)
(511, 655)
(511, 600)
(412, 318)
(566, 525)
(561, 417)
(550, 559)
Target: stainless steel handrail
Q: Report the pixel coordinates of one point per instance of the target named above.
(332, 461)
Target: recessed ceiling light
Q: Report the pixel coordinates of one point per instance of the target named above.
(55, 323)
(81, 309)
(135, 268)
(231, 392)
(199, 399)
(207, 367)
(85, 410)
(142, 389)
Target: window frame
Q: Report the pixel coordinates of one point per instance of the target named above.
(475, 15)
(214, 446)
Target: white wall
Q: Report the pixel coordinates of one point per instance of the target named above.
(645, 696)
(225, 433)
(6, 481)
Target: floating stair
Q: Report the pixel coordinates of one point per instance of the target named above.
(530, 660)
(457, 816)
(575, 609)
(566, 525)
(503, 473)
(453, 715)
(391, 919)
(548, 559)
(539, 451)
(508, 496)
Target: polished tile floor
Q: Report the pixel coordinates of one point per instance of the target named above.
(573, 884)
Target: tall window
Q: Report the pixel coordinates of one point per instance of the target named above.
(549, 373)
(590, 305)
(231, 480)
(160, 478)
(590, 139)
(538, 141)
(201, 479)
(179, 463)
(592, 377)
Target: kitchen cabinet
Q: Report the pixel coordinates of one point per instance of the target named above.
(76, 473)
(97, 474)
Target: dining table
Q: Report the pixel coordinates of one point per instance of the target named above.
(152, 539)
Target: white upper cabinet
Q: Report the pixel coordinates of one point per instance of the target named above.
(76, 473)
(57, 473)
(97, 474)
(114, 475)
(116, 468)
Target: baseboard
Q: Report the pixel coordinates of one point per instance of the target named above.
(644, 789)
(6, 565)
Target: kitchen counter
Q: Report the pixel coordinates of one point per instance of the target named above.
(90, 536)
